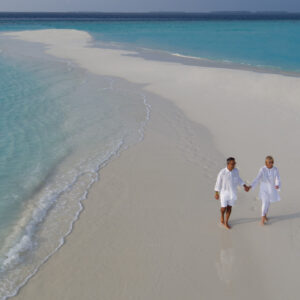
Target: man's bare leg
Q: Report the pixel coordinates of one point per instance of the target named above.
(223, 209)
(228, 212)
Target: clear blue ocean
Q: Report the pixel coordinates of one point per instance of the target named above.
(60, 125)
(264, 41)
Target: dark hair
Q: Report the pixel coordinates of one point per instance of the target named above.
(229, 159)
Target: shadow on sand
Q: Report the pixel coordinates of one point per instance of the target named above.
(284, 217)
(272, 219)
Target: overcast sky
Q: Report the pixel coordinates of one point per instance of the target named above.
(148, 5)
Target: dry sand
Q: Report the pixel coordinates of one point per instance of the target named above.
(149, 229)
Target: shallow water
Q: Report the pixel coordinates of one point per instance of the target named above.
(59, 126)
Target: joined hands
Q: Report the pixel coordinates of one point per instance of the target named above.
(247, 188)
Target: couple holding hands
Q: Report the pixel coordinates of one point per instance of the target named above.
(229, 178)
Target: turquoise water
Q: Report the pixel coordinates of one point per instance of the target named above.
(60, 125)
(274, 44)
(26, 113)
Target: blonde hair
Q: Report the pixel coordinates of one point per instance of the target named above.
(269, 158)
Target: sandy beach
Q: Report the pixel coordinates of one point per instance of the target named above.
(149, 229)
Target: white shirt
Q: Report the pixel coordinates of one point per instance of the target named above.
(227, 183)
(268, 179)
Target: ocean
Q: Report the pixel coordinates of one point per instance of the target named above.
(59, 125)
(269, 40)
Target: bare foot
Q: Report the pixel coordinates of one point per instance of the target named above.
(267, 219)
(263, 221)
(222, 222)
(227, 226)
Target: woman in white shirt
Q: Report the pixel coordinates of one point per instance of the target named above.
(269, 179)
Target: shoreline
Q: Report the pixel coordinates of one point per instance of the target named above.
(189, 60)
(40, 259)
(201, 115)
(115, 214)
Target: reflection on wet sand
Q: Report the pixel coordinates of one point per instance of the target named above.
(225, 260)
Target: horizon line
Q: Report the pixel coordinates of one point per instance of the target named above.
(159, 11)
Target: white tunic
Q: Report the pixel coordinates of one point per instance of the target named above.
(227, 183)
(268, 179)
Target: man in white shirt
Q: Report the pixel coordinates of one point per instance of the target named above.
(226, 189)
